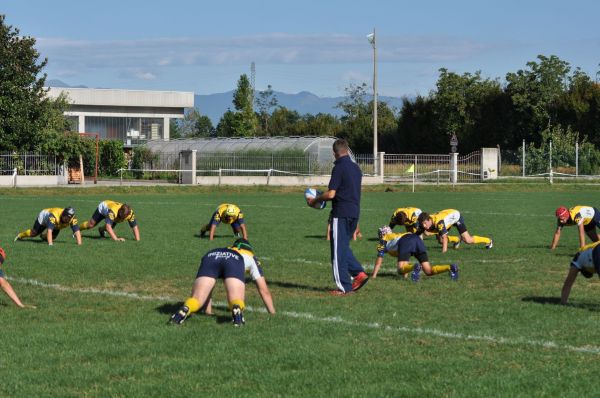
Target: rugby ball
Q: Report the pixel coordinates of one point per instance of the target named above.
(311, 193)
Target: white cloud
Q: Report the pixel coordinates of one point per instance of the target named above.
(275, 48)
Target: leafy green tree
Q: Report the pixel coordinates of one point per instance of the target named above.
(27, 113)
(227, 124)
(245, 122)
(265, 102)
(204, 127)
(285, 122)
(321, 124)
(357, 121)
(174, 129)
(535, 93)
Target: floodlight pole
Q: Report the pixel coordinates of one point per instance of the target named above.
(372, 40)
(374, 44)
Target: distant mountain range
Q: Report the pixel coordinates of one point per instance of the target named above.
(215, 105)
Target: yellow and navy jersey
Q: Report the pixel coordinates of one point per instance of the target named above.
(50, 218)
(227, 213)
(444, 220)
(412, 214)
(389, 244)
(579, 215)
(251, 263)
(110, 210)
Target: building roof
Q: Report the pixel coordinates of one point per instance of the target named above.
(116, 97)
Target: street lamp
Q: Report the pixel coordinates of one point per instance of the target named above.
(371, 38)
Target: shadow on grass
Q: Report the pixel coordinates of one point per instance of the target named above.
(289, 285)
(594, 307)
(322, 237)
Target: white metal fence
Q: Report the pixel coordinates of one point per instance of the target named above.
(29, 163)
(432, 168)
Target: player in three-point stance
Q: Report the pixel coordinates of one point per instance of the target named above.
(229, 264)
(112, 213)
(54, 219)
(586, 218)
(4, 285)
(404, 245)
(229, 214)
(406, 217)
(440, 223)
(587, 263)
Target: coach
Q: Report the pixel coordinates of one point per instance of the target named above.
(344, 192)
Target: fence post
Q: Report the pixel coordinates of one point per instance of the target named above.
(454, 165)
(551, 162)
(269, 175)
(576, 159)
(219, 176)
(121, 170)
(523, 158)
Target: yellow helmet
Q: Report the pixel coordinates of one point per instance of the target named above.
(231, 211)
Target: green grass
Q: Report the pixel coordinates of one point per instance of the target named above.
(498, 331)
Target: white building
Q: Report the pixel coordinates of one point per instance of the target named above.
(133, 116)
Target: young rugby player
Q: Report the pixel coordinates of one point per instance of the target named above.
(112, 213)
(440, 223)
(54, 219)
(229, 214)
(229, 264)
(586, 218)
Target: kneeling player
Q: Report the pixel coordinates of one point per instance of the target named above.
(230, 265)
(54, 219)
(440, 223)
(7, 287)
(112, 213)
(402, 246)
(228, 214)
(586, 262)
(586, 218)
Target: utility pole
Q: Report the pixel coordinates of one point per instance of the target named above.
(372, 40)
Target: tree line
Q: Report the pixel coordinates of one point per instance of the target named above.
(548, 98)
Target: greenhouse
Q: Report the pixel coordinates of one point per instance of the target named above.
(319, 148)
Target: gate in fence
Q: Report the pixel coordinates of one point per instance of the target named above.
(473, 167)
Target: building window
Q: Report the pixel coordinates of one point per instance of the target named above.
(131, 130)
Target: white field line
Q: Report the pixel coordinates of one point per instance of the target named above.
(588, 349)
(195, 205)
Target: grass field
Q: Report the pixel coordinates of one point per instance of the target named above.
(100, 327)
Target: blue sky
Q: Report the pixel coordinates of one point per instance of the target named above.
(316, 46)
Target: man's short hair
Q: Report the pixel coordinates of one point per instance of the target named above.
(340, 146)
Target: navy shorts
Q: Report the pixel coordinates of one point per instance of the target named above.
(460, 225)
(1, 273)
(38, 228)
(412, 245)
(97, 216)
(222, 263)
